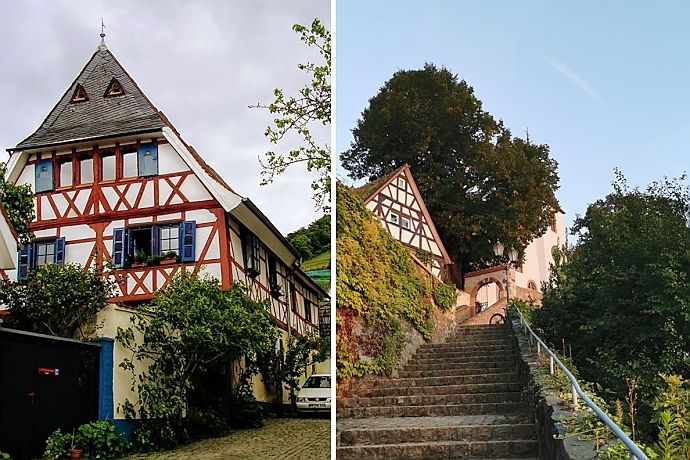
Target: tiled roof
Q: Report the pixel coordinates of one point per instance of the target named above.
(99, 116)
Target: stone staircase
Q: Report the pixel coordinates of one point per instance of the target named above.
(458, 399)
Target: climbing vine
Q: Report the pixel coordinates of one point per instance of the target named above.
(379, 285)
(444, 296)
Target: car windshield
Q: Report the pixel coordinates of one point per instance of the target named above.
(318, 381)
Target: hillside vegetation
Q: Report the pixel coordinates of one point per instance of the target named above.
(379, 287)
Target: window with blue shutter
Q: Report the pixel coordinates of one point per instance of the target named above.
(60, 251)
(147, 156)
(187, 240)
(24, 261)
(119, 247)
(44, 175)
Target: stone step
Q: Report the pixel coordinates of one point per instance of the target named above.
(427, 400)
(455, 344)
(466, 351)
(442, 449)
(366, 436)
(461, 377)
(500, 357)
(431, 410)
(452, 368)
(472, 388)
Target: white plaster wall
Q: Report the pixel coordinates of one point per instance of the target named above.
(169, 161)
(538, 255)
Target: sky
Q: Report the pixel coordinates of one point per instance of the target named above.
(202, 63)
(604, 84)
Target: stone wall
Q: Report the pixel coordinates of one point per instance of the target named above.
(548, 410)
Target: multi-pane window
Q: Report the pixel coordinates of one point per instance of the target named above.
(41, 252)
(393, 218)
(65, 179)
(146, 243)
(307, 310)
(405, 223)
(250, 248)
(86, 171)
(129, 164)
(45, 252)
(170, 238)
(108, 167)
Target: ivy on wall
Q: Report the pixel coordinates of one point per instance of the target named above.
(379, 284)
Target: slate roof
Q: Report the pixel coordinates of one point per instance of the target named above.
(99, 116)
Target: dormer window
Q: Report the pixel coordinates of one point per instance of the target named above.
(79, 94)
(115, 89)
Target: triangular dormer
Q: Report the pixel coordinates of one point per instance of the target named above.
(396, 200)
(114, 89)
(79, 94)
(123, 109)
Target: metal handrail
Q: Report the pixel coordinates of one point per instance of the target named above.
(635, 452)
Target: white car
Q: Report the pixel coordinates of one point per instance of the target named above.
(315, 395)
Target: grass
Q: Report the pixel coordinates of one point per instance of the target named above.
(320, 262)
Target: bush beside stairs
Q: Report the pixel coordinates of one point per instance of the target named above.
(457, 399)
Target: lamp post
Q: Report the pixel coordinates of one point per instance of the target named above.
(512, 259)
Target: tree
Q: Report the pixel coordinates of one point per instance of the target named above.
(300, 114)
(313, 240)
(622, 298)
(190, 325)
(18, 203)
(57, 299)
(479, 183)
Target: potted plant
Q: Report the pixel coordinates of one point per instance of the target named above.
(74, 453)
(140, 258)
(276, 290)
(168, 258)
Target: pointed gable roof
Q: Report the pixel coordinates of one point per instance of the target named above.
(98, 116)
(373, 188)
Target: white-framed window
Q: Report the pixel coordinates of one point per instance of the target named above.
(392, 217)
(401, 182)
(405, 223)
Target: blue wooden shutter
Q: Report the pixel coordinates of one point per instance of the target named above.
(147, 156)
(43, 170)
(59, 257)
(119, 247)
(24, 264)
(187, 240)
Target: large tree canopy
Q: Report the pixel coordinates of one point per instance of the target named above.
(479, 183)
(621, 296)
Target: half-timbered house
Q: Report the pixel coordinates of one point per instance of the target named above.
(114, 183)
(397, 202)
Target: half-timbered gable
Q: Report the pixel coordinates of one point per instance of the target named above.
(115, 185)
(396, 200)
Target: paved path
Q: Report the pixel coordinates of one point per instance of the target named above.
(308, 439)
(485, 316)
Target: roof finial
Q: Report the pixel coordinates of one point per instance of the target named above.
(102, 35)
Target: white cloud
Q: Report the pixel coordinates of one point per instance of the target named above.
(575, 78)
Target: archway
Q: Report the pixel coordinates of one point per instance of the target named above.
(477, 297)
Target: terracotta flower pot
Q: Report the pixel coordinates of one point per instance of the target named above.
(75, 453)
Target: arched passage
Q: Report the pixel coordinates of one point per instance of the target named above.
(474, 293)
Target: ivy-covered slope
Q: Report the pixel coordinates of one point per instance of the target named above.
(378, 287)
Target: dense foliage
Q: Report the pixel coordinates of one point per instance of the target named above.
(302, 114)
(479, 183)
(444, 295)
(190, 326)
(96, 439)
(378, 283)
(621, 296)
(57, 299)
(313, 240)
(17, 200)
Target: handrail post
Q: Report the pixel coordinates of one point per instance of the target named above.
(572, 387)
(551, 364)
(538, 349)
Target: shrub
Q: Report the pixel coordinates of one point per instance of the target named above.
(202, 424)
(444, 296)
(246, 412)
(57, 445)
(100, 440)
